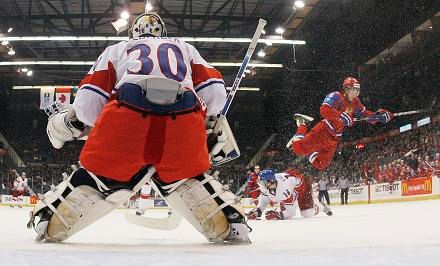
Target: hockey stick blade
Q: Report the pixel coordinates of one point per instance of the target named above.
(167, 223)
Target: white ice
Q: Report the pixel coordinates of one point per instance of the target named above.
(380, 234)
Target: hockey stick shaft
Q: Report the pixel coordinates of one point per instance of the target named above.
(212, 138)
(420, 111)
(245, 62)
(411, 112)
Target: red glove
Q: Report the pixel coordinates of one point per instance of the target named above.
(273, 215)
(255, 214)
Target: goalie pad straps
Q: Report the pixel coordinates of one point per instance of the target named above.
(81, 199)
(207, 178)
(207, 205)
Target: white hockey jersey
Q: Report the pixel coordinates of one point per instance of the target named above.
(134, 60)
(20, 183)
(284, 193)
(285, 190)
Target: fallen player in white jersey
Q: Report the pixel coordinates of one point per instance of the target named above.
(286, 188)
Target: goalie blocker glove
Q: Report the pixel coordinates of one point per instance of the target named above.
(63, 127)
(221, 145)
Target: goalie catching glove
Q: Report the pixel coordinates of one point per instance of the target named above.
(64, 126)
(221, 144)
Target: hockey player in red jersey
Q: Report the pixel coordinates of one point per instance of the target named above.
(338, 111)
(146, 101)
(290, 189)
(252, 188)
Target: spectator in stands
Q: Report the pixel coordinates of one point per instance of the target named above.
(323, 185)
(344, 185)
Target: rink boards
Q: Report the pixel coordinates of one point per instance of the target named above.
(414, 189)
(410, 190)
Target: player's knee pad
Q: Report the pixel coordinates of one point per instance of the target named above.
(78, 201)
(210, 207)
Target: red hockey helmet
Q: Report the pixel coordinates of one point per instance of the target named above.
(351, 83)
(351, 87)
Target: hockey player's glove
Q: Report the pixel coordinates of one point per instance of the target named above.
(380, 115)
(273, 215)
(346, 119)
(255, 214)
(64, 126)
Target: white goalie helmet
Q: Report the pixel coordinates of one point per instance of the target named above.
(147, 24)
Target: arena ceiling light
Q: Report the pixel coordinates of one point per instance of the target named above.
(228, 64)
(299, 4)
(119, 38)
(279, 30)
(64, 86)
(25, 63)
(125, 15)
(90, 63)
(244, 89)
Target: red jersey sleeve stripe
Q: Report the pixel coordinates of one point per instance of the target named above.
(201, 73)
(103, 79)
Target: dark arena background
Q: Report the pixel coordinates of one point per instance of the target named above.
(306, 51)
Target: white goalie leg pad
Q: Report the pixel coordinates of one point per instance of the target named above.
(80, 208)
(226, 148)
(192, 199)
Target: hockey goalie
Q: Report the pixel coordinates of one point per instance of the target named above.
(290, 189)
(144, 104)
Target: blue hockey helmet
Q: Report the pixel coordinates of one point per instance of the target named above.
(267, 178)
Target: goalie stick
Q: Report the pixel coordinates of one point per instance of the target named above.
(166, 223)
(231, 95)
(173, 220)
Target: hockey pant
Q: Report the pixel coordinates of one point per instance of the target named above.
(317, 144)
(131, 133)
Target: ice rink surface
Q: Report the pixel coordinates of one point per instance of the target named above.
(380, 234)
